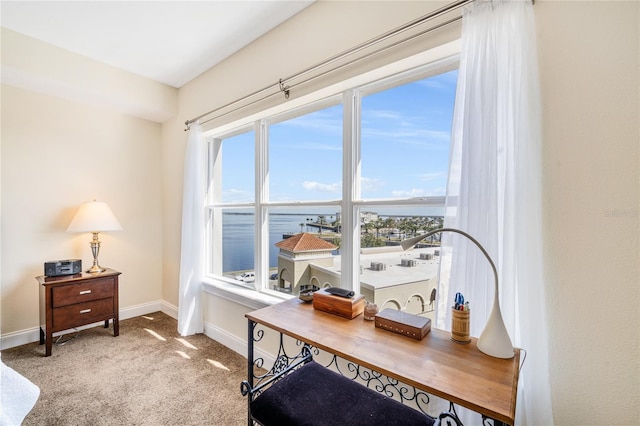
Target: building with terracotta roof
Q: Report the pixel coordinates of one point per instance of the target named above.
(304, 243)
(389, 276)
(296, 255)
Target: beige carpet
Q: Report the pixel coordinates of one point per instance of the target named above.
(149, 375)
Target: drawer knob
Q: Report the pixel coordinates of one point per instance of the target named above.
(85, 311)
(85, 292)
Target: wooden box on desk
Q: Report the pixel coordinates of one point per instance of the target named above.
(403, 323)
(342, 306)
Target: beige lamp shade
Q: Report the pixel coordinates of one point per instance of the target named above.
(94, 216)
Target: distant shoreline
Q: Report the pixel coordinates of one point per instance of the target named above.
(324, 214)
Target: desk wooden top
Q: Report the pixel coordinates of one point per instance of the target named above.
(458, 373)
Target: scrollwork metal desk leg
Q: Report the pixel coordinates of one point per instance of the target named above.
(251, 326)
(487, 421)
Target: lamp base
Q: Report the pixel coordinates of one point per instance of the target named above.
(95, 249)
(494, 339)
(96, 269)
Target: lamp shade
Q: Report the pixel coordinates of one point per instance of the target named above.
(94, 216)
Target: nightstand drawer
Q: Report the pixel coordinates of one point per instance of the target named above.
(82, 292)
(82, 313)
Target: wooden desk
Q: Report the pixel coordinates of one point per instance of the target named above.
(436, 365)
(74, 300)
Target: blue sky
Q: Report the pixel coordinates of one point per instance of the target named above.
(405, 148)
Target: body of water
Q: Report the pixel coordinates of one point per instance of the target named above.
(239, 242)
(238, 235)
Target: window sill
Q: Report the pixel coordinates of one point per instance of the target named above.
(243, 296)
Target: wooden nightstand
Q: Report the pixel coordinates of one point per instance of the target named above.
(75, 300)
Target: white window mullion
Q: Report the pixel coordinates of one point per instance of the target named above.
(350, 238)
(214, 186)
(262, 196)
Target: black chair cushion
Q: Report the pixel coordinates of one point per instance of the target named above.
(314, 395)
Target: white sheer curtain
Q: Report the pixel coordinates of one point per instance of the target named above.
(494, 190)
(190, 319)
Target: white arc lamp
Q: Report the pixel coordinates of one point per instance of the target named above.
(494, 339)
(94, 217)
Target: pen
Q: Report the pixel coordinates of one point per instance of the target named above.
(459, 302)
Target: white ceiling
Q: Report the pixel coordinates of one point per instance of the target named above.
(167, 41)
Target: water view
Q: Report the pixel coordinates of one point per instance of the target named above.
(238, 235)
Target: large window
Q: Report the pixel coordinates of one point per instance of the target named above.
(405, 135)
(323, 194)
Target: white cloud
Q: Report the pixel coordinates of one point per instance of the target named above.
(440, 190)
(409, 136)
(370, 184)
(427, 177)
(387, 114)
(237, 196)
(322, 187)
(418, 192)
(414, 192)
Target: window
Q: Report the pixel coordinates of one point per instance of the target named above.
(323, 194)
(404, 160)
(232, 190)
(305, 156)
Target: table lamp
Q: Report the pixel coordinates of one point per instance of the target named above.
(494, 339)
(94, 217)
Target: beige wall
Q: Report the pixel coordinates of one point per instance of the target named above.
(589, 75)
(31, 64)
(57, 154)
(74, 130)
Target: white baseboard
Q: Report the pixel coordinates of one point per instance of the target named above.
(19, 338)
(30, 335)
(169, 309)
(23, 337)
(234, 343)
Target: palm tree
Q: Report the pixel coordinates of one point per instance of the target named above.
(366, 226)
(404, 226)
(377, 225)
(434, 223)
(389, 223)
(321, 221)
(414, 225)
(368, 240)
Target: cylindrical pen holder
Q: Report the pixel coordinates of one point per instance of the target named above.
(460, 326)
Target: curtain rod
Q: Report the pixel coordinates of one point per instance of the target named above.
(283, 88)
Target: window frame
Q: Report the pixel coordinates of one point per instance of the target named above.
(350, 93)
